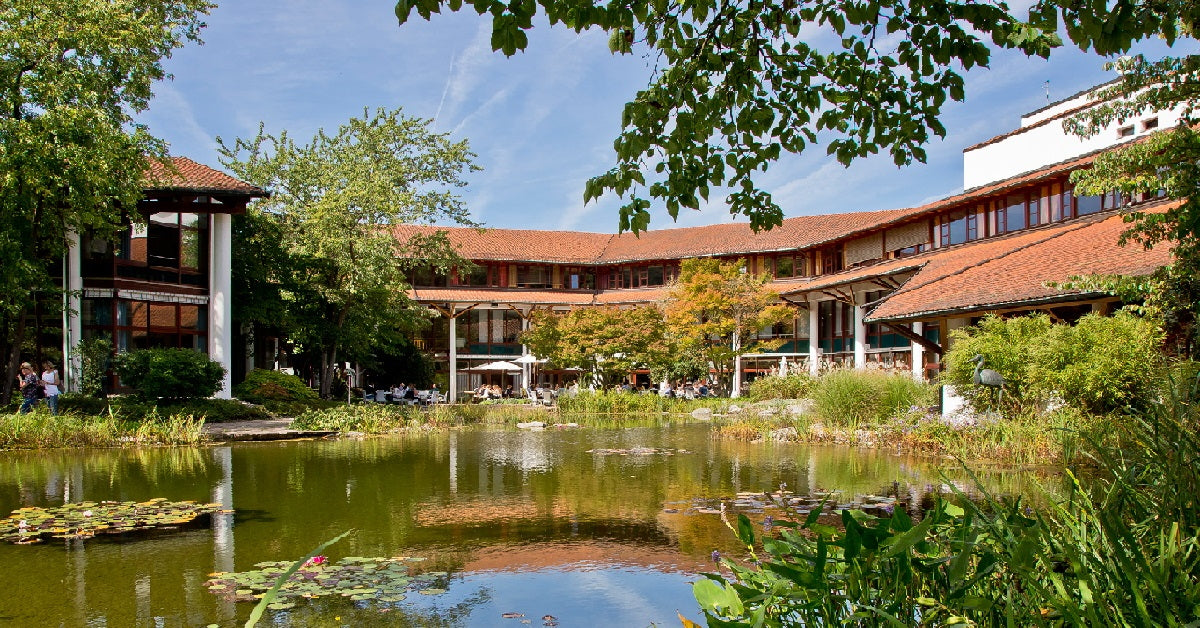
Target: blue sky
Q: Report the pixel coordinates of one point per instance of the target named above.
(541, 122)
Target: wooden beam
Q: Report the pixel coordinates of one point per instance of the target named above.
(913, 336)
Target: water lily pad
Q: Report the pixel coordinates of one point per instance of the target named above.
(361, 579)
(86, 519)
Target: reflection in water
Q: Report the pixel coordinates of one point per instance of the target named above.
(539, 523)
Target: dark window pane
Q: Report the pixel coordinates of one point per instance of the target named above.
(785, 267)
(656, 275)
(1085, 205)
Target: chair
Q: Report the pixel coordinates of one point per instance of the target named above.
(381, 396)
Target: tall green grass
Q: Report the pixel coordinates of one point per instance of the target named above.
(850, 398)
(40, 430)
(620, 402)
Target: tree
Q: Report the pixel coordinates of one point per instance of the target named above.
(72, 73)
(739, 83)
(341, 286)
(1166, 163)
(607, 341)
(714, 306)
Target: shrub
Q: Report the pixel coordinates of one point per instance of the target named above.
(795, 386)
(84, 404)
(214, 410)
(170, 373)
(94, 356)
(1100, 364)
(263, 385)
(1006, 345)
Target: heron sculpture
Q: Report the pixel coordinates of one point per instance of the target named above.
(987, 377)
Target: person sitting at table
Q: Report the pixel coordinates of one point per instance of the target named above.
(508, 392)
(398, 392)
(494, 392)
(481, 393)
(410, 394)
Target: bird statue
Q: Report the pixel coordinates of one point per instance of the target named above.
(985, 377)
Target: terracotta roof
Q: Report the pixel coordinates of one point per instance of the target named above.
(633, 296)
(512, 296)
(740, 239)
(526, 245)
(191, 176)
(1014, 271)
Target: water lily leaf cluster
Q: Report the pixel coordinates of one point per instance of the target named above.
(386, 580)
(33, 524)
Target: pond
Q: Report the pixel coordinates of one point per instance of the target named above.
(573, 527)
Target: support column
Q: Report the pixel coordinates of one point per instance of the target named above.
(814, 339)
(860, 337)
(918, 353)
(453, 388)
(72, 366)
(737, 366)
(220, 307)
(525, 366)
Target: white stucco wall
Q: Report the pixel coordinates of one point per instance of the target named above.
(1045, 144)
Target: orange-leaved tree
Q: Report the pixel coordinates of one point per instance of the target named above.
(714, 306)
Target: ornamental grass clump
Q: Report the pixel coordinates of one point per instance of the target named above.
(852, 398)
(794, 386)
(40, 430)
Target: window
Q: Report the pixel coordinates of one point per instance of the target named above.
(831, 260)
(531, 276)
(479, 275)
(957, 227)
(576, 278)
(909, 251)
(1150, 124)
(1125, 131)
(785, 266)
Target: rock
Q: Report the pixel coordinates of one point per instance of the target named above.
(804, 406)
(702, 414)
(768, 412)
(785, 434)
(532, 425)
(735, 408)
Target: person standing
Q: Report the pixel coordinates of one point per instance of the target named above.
(51, 384)
(31, 388)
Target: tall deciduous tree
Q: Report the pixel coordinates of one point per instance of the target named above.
(1166, 163)
(72, 74)
(344, 287)
(608, 341)
(715, 306)
(739, 83)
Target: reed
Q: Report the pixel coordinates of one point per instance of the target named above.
(40, 430)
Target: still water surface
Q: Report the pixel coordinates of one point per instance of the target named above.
(538, 523)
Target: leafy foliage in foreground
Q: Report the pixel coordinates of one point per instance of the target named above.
(368, 418)
(86, 519)
(1121, 551)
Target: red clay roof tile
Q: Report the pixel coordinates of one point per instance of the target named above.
(191, 176)
(1010, 271)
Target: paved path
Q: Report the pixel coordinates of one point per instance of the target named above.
(267, 429)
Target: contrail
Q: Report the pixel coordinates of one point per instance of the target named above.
(446, 88)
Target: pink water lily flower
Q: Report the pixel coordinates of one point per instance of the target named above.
(315, 560)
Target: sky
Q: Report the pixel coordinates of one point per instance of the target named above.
(542, 122)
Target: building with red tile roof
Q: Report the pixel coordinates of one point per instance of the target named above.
(165, 280)
(880, 287)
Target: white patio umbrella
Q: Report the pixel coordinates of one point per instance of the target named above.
(525, 361)
(499, 365)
